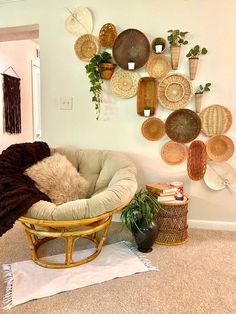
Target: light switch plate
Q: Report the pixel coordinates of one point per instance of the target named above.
(66, 103)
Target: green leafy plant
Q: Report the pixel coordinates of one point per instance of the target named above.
(196, 51)
(147, 107)
(143, 208)
(94, 74)
(176, 37)
(201, 89)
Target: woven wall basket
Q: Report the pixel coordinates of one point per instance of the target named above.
(197, 160)
(79, 22)
(183, 125)
(153, 129)
(175, 91)
(86, 46)
(216, 119)
(147, 95)
(107, 35)
(158, 66)
(124, 84)
(133, 45)
(220, 148)
(173, 153)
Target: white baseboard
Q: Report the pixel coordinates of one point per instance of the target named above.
(200, 224)
(212, 225)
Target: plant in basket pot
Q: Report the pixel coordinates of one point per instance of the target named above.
(100, 68)
(176, 39)
(198, 95)
(140, 218)
(193, 57)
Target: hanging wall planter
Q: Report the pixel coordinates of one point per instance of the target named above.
(107, 70)
(176, 39)
(193, 56)
(198, 96)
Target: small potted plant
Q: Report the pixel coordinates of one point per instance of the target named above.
(147, 111)
(176, 39)
(198, 95)
(131, 64)
(159, 45)
(100, 67)
(140, 218)
(193, 57)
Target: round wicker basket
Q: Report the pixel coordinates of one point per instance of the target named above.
(220, 148)
(124, 84)
(86, 46)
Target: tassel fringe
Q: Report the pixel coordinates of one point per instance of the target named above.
(8, 279)
(142, 258)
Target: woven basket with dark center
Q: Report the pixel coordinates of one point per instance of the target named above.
(129, 45)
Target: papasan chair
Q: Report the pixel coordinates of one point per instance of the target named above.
(112, 184)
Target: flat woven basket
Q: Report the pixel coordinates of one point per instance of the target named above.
(86, 46)
(197, 160)
(174, 153)
(158, 66)
(216, 119)
(107, 35)
(153, 129)
(124, 84)
(220, 148)
(175, 91)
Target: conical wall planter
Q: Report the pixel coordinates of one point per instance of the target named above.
(193, 64)
(175, 54)
(198, 102)
(107, 70)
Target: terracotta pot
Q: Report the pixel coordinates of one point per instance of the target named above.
(175, 54)
(193, 64)
(198, 102)
(107, 70)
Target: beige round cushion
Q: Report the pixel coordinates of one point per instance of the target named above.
(112, 182)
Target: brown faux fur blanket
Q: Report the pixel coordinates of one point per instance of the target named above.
(17, 191)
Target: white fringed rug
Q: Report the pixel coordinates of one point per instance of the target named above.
(27, 281)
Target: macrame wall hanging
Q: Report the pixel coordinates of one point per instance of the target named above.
(12, 104)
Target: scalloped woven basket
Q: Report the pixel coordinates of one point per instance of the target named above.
(197, 160)
(216, 120)
(175, 91)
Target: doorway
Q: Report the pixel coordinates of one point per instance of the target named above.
(19, 50)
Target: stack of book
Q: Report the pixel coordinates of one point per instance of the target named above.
(164, 192)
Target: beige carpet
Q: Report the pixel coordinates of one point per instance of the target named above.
(197, 277)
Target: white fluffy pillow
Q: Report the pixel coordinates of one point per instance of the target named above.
(58, 179)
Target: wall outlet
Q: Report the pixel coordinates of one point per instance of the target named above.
(66, 103)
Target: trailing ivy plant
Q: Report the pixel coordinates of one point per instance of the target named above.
(94, 75)
(201, 89)
(196, 51)
(176, 37)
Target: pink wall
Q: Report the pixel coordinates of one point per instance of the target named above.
(18, 54)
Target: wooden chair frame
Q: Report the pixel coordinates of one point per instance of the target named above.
(40, 231)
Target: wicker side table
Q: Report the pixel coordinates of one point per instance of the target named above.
(172, 222)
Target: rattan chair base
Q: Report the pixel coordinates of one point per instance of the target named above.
(39, 232)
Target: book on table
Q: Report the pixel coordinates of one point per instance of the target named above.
(161, 188)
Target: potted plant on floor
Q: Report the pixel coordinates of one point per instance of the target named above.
(176, 39)
(193, 57)
(100, 68)
(139, 217)
(198, 95)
